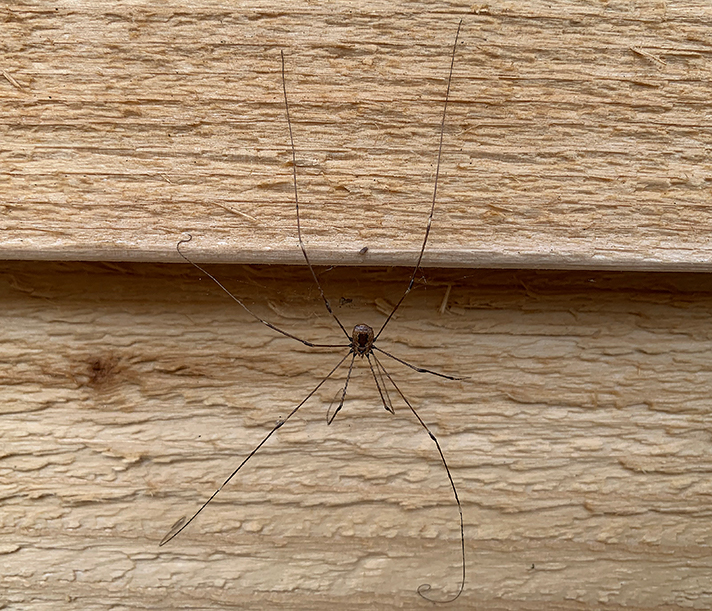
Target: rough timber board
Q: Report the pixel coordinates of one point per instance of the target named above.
(578, 133)
(581, 444)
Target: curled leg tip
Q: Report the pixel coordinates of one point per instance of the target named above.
(187, 237)
(423, 589)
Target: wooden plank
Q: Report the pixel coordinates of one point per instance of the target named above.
(578, 133)
(580, 443)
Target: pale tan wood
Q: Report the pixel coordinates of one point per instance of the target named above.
(580, 443)
(578, 133)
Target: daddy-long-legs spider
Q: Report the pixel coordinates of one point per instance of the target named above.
(360, 342)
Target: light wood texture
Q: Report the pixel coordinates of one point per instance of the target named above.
(580, 443)
(578, 133)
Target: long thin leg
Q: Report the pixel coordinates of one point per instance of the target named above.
(296, 202)
(181, 524)
(380, 384)
(329, 416)
(426, 587)
(250, 312)
(419, 369)
(435, 189)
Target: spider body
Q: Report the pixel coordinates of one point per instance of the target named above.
(362, 339)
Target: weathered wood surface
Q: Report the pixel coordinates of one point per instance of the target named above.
(578, 134)
(580, 445)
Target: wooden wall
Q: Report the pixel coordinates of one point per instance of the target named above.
(130, 387)
(579, 442)
(577, 134)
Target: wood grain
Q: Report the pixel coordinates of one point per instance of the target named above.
(578, 133)
(580, 443)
